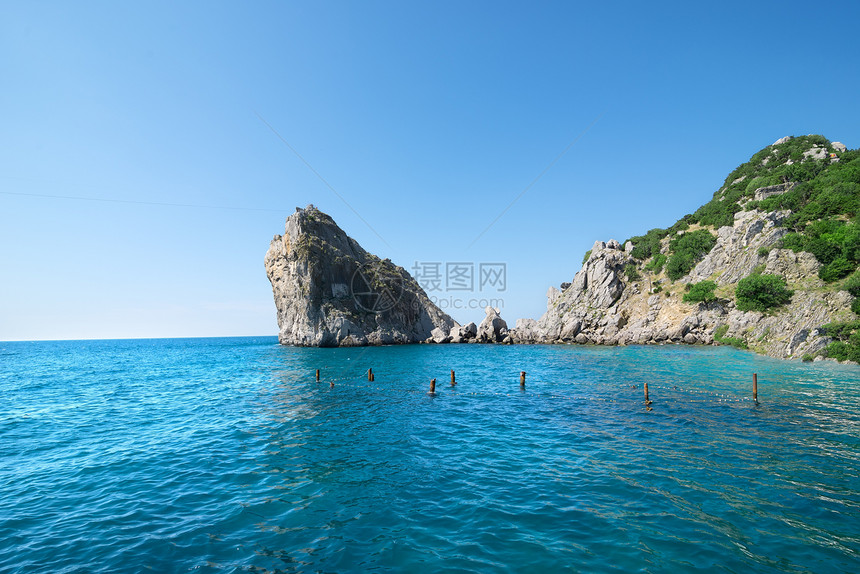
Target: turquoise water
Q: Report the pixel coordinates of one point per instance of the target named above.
(224, 455)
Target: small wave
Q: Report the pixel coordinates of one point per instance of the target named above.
(192, 456)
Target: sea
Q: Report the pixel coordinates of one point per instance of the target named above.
(226, 455)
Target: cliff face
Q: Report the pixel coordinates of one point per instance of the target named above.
(330, 292)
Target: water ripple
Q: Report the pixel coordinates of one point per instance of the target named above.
(224, 455)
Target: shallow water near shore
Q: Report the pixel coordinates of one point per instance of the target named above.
(225, 455)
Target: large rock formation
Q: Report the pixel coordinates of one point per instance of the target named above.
(604, 306)
(330, 292)
(493, 329)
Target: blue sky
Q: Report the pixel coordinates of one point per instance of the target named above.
(428, 119)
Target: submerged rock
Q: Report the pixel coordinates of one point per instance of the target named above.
(330, 292)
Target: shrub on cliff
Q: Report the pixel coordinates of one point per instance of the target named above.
(835, 244)
(700, 292)
(761, 292)
(648, 245)
(687, 250)
(720, 337)
(852, 284)
(631, 272)
(846, 346)
(656, 264)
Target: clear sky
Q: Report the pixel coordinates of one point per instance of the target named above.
(427, 118)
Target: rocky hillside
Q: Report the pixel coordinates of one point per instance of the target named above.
(330, 292)
(770, 264)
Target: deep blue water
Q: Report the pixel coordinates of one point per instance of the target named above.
(224, 455)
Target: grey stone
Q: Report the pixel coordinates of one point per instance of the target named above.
(439, 335)
(736, 253)
(526, 331)
(794, 267)
(316, 269)
(771, 190)
(570, 329)
(552, 294)
(456, 334)
(815, 152)
(493, 328)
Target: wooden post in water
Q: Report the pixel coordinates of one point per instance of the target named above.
(755, 387)
(370, 375)
(453, 380)
(318, 375)
(522, 378)
(647, 399)
(432, 386)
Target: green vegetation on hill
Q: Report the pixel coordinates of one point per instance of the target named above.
(852, 284)
(656, 264)
(846, 347)
(847, 343)
(648, 245)
(687, 250)
(823, 195)
(828, 190)
(774, 165)
(834, 243)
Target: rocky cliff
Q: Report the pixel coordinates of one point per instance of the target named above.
(621, 296)
(329, 291)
